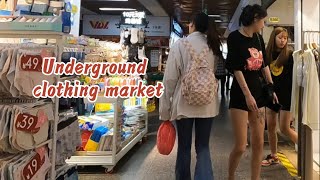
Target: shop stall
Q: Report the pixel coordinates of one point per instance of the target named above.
(307, 60)
(110, 127)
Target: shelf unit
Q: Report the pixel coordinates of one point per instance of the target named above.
(109, 159)
(52, 143)
(106, 159)
(162, 55)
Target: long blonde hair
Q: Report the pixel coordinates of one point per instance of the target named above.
(271, 48)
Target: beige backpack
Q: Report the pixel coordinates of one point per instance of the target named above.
(199, 84)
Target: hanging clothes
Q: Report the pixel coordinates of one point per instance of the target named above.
(305, 75)
(317, 56)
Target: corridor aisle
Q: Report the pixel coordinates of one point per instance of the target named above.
(145, 163)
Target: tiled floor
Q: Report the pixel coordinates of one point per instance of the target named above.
(143, 162)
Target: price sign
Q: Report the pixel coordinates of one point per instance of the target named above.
(27, 123)
(32, 167)
(31, 63)
(274, 19)
(133, 18)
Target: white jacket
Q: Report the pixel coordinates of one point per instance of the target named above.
(172, 104)
(307, 77)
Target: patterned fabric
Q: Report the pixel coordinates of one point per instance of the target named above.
(221, 67)
(199, 85)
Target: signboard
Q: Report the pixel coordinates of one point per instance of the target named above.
(108, 25)
(274, 19)
(154, 58)
(133, 18)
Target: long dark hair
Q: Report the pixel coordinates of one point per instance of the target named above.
(251, 12)
(272, 47)
(206, 25)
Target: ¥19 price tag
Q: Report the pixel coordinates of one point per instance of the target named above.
(32, 167)
(31, 63)
(27, 123)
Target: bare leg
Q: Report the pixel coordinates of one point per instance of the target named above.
(285, 119)
(239, 125)
(272, 118)
(257, 123)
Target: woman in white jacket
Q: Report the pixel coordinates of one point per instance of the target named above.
(173, 106)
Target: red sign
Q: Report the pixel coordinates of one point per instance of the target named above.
(27, 123)
(32, 167)
(31, 63)
(99, 24)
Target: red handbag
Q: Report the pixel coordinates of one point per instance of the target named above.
(166, 138)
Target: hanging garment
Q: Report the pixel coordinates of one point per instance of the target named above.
(141, 36)
(305, 75)
(29, 74)
(32, 165)
(38, 132)
(21, 69)
(24, 126)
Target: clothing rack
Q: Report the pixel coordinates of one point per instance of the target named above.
(16, 100)
(305, 148)
(58, 37)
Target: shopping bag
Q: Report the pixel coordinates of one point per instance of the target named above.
(166, 138)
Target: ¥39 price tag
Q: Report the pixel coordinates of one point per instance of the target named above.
(27, 123)
(33, 167)
(31, 63)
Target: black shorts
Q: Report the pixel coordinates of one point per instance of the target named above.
(242, 104)
(238, 101)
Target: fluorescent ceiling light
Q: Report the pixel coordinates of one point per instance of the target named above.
(214, 15)
(218, 21)
(116, 9)
(115, 0)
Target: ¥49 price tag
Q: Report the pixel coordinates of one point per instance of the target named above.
(27, 123)
(32, 167)
(31, 63)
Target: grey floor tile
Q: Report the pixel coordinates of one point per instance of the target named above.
(143, 162)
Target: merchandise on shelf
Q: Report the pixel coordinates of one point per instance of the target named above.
(36, 15)
(101, 51)
(97, 130)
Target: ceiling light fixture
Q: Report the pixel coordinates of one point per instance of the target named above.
(218, 21)
(214, 15)
(116, 9)
(115, 0)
